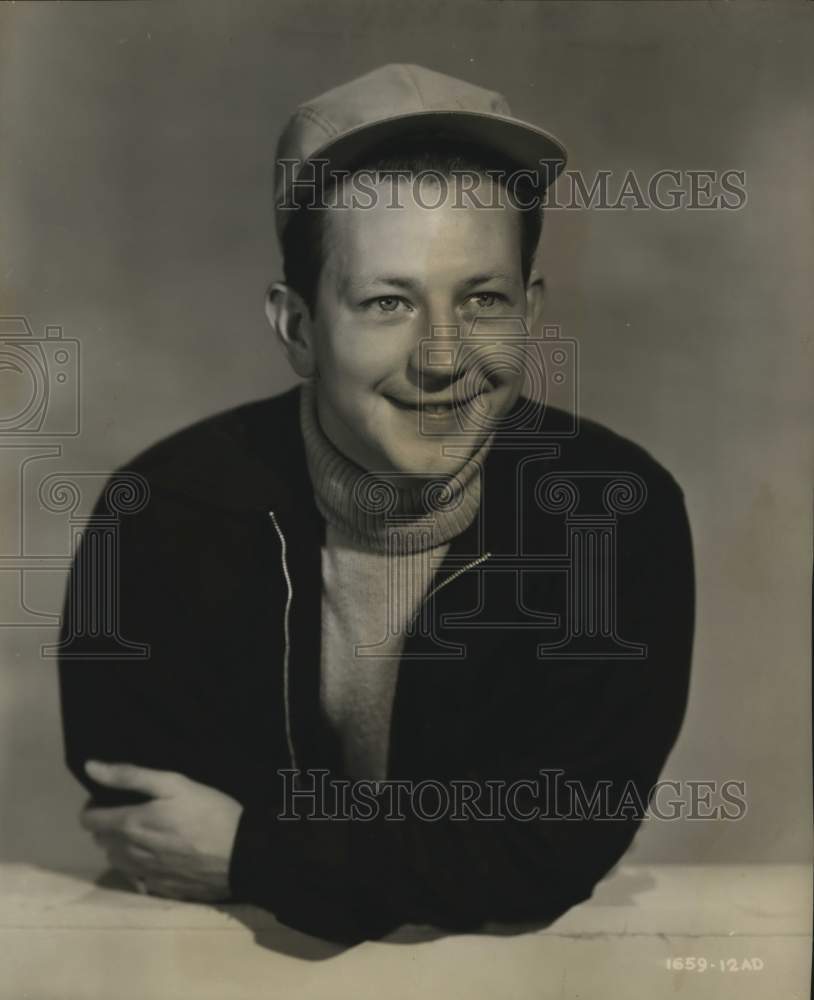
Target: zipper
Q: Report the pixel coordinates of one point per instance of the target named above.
(287, 625)
(457, 573)
(287, 636)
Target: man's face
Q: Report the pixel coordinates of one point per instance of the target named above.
(391, 278)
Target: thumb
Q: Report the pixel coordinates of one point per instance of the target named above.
(132, 778)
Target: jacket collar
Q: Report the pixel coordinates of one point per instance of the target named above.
(252, 459)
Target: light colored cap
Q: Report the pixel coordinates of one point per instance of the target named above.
(397, 100)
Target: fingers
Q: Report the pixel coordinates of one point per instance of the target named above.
(133, 778)
(120, 849)
(163, 888)
(154, 873)
(147, 876)
(122, 859)
(174, 889)
(108, 820)
(141, 867)
(134, 824)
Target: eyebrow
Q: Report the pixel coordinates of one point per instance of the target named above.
(482, 279)
(408, 285)
(379, 279)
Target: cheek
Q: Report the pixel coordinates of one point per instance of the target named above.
(348, 376)
(357, 356)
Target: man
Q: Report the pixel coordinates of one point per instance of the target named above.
(391, 612)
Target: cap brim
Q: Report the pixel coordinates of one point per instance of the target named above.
(525, 145)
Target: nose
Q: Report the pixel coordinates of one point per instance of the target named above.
(436, 361)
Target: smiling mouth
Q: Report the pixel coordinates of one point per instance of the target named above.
(435, 408)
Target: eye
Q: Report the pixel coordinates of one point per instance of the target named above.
(485, 300)
(386, 303)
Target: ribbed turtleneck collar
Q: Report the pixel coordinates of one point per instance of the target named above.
(386, 512)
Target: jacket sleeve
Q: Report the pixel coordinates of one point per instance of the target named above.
(592, 722)
(119, 704)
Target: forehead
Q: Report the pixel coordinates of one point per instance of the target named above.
(425, 228)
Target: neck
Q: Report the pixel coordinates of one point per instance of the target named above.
(387, 512)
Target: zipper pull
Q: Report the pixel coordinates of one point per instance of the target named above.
(457, 573)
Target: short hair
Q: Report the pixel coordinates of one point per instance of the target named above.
(303, 241)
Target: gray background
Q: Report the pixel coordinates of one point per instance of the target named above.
(135, 206)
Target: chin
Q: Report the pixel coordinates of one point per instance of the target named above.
(428, 460)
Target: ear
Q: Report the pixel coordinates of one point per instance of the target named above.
(535, 294)
(290, 319)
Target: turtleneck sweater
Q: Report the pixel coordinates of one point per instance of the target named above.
(386, 536)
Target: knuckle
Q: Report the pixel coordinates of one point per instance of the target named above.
(130, 828)
(160, 811)
(135, 853)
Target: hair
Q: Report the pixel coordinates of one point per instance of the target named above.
(303, 239)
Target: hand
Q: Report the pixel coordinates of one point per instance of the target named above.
(179, 844)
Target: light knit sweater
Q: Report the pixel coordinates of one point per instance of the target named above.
(385, 539)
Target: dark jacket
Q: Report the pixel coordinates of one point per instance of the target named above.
(227, 597)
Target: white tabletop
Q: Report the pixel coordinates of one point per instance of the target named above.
(77, 936)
